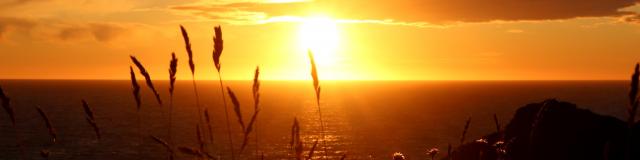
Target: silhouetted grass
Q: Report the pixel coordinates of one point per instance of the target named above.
(296, 143)
(465, 130)
(217, 52)
(192, 66)
(135, 88)
(256, 109)
(91, 118)
(6, 104)
(316, 87)
(173, 69)
(45, 117)
(207, 118)
(147, 78)
(165, 145)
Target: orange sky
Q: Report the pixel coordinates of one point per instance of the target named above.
(370, 40)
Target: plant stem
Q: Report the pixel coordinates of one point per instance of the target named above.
(226, 114)
(324, 141)
(195, 92)
(170, 120)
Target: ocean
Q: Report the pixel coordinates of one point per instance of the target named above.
(363, 119)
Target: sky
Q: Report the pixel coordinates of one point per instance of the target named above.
(351, 40)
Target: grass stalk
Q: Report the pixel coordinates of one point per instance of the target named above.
(6, 104)
(256, 109)
(173, 69)
(296, 142)
(465, 131)
(192, 67)
(207, 118)
(226, 115)
(316, 86)
(91, 118)
(136, 95)
(217, 52)
(45, 117)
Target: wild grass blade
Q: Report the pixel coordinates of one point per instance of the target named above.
(52, 131)
(147, 78)
(87, 109)
(296, 142)
(162, 142)
(6, 104)
(464, 132)
(236, 107)
(294, 131)
(256, 102)
(187, 44)
(135, 88)
(256, 110)
(249, 129)
(207, 118)
(217, 52)
(192, 65)
(91, 118)
(316, 86)
(173, 69)
(199, 136)
(165, 145)
(190, 151)
(217, 46)
(314, 75)
(136, 95)
(313, 149)
(94, 125)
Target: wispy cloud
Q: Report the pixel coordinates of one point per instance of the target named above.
(59, 30)
(425, 13)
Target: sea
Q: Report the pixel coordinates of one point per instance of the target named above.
(362, 119)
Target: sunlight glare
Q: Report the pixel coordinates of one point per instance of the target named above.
(320, 35)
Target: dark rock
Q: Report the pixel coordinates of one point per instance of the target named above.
(554, 130)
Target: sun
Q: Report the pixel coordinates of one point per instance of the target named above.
(320, 34)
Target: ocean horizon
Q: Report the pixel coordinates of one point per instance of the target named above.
(364, 119)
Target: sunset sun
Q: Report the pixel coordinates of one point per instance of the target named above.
(321, 36)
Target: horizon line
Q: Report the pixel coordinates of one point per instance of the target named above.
(91, 79)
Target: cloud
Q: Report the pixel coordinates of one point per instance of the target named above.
(8, 24)
(59, 30)
(515, 31)
(413, 11)
(13, 3)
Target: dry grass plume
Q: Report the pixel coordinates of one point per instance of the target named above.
(135, 88)
(147, 78)
(52, 130)
(6, 104)
(464, 132)
(217, 46)
(316, 87)
(296, 143)
(91, 118)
